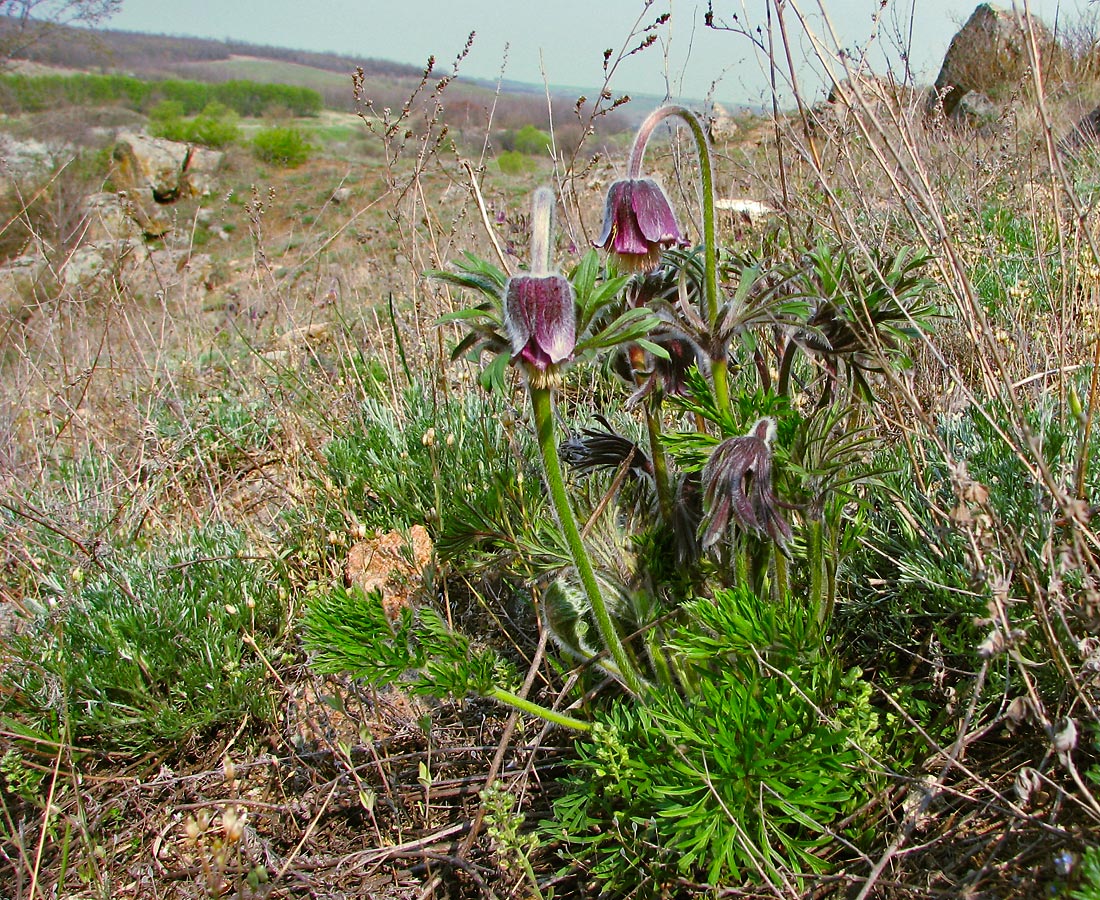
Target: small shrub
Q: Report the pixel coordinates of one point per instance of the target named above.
(282, 146)
(512, 162)
(532, 142)
(150, 650)
(215, 126)
(450, 464)
(737, 782)
(1090, 873)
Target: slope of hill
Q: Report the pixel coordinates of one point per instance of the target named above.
(386, 84)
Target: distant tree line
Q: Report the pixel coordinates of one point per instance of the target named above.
(27, 93)
(80, 48)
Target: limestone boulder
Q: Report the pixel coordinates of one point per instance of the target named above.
(1083, 135)
(117, 216)
(977, 110)
(861, 95)
(392, 563)
(988, 55)
(29, 159)
(722, 125)
(165, 169)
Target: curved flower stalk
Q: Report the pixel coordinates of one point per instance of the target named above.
(639, 224)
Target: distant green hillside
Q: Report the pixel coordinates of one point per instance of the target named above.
(34, 93)
(269, 71)
(162, 58)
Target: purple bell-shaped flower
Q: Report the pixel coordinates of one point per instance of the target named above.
(540, 319)
(638, 224)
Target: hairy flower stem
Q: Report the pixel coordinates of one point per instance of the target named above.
(660, 461)
(544, 713)
(822, 589)
(719, 367)
(542, 214)
(543, 410)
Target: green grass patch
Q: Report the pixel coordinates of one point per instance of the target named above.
(151, 651)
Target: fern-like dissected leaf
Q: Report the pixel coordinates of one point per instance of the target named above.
(349, 632)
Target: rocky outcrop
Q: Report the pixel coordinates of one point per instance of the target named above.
(167, 170)
(392, 564)
(30, 159)
(977, 110)
(989, 55)
(95, 264)
(859, 96)
(112, 216)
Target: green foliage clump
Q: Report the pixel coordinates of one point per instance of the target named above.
(216, 126)
(27, 93)
(451, 463)
(531, 141)
(150, 651)
(512, 162)
(1090, 876)
(283, 146)
(350, 633)
(914, 579)
(738, 778)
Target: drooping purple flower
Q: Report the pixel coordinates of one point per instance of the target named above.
(638, 223)
(540, 318)
(737, 485)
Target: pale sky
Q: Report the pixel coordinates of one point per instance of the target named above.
(565, 39)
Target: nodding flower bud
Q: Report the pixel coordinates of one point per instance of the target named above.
(638, 224)
(737, 484)
(540, 315)
(541, 320)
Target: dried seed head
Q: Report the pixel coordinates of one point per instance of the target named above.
(1065, 736)
(233, 824)
(1027, 783)
(1018, 710)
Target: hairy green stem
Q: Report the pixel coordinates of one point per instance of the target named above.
(542, 214)
(656, 447)
(543, 410)
(784, 388)
(815, 551)
(782, 587)
(719, 372)
(534, 709)
(660, 462)
(719, 369)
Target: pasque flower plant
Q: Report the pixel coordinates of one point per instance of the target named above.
(751, 377)
(541, 322)
(711, 496)
(732, 491)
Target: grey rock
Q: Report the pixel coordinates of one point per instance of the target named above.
(989, 54)
(167, 169)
